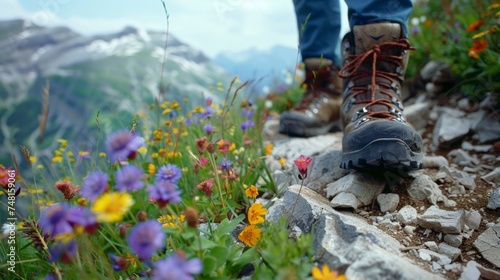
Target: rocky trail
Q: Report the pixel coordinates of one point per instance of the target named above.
(441, 222)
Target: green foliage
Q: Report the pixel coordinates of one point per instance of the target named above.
(177, 136)
(463, 34)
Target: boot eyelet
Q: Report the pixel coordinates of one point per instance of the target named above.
(350, 85)
(361, 122)
(359, 114)
(396, 102)
(349, 105)
(399, 70)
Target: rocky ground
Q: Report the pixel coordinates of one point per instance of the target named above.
(441, 222)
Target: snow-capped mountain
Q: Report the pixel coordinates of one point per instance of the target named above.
(113, 74)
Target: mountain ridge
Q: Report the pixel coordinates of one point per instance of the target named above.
(112, 75)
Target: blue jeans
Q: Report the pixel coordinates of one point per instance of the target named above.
(319, 22)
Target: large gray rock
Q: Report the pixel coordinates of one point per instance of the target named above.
(494, 200)
(291, 148)
(325, 169)
(407, 215)
(449, 129)
(363, 186)
(492, 177)
(388, 202)
(442, 220)
(346, 239)
(488, 244)
(452, 252)
(473, 219)
(488, 129)
(418, 114)
(424, 188)
(463, 178)
(345, 200)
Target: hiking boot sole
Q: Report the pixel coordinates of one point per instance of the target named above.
(299, 129)
(384, 153)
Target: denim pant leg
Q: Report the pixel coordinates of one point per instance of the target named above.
(368, 11)
(318, 23)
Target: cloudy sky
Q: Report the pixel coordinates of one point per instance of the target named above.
(212, 26)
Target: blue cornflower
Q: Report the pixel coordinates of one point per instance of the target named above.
(61, 251)
(176, 267)
(146, 238)
(164, 192)
(168, 173)
(129, 178)
(123, 145)
(94, 185)
(208, 128)
(225, 164)
(246, 125)
(208, 112)
(247, 113)
(54, 220)
(80, 216)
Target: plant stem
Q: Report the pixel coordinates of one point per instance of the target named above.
(295, 203)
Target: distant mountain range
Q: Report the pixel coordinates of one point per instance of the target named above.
(114, 74)
(262, 68)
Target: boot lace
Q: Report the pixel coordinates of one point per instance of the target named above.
(317, 83)
(385, 80)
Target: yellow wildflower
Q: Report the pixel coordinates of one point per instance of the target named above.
(282, 162)
(269, 149)
(154, 155)
(57, 159)
(39, 166)
(63, 142)
(70, 154)
(174, 105)
(252, 192)
(198, 109)
(151, 169)
(102, 154)
(256, 213)
(326, 274)
(166, 111)
(82, 201)
(110, 207)
(83, 153)
(142, 150)
(250, 235)
(33, 159)
(232, 147)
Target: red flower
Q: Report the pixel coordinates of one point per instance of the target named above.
(67, 190)
(302, 164)
(475, 25)
(207, 186)
(477, 47)
(7, 175)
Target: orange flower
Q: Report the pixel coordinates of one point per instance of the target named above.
(475, 25)
(477, 47)
(256, 213)
(252, 192)
(326, 274)
(250, 235)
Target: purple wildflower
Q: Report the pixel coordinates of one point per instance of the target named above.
(123, 145)
(54, 220)
(414, 30)
(80, 216)
(164, 192)
(247, 113)
(225, 164)
(176, 267)
(94, 185)
(188, 121)
(207, 113)
(246, 125)
(129, 178)
(118, 263)
(61, 251)
(146, 238)
(208, 128)
(168, 173)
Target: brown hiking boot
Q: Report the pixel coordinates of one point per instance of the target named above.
(376, 134)
(318, 111)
